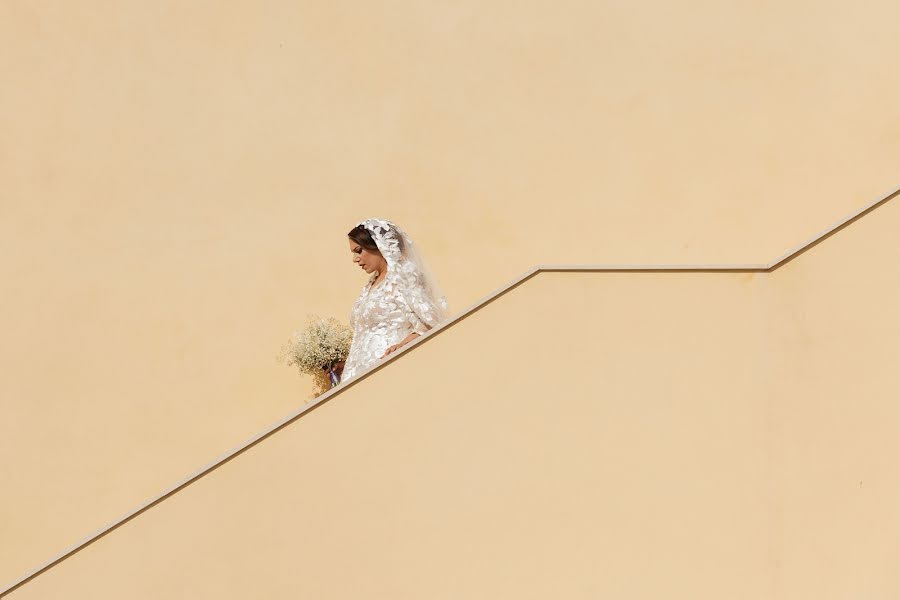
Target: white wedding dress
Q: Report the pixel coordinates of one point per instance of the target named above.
(403, 302)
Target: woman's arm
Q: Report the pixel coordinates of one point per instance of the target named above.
(402, 343)
(409, 338)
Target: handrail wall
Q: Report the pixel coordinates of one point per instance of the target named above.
(769, 267)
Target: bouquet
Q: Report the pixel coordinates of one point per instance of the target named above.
(316, 349)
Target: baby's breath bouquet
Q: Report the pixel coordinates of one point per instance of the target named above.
(316, 349)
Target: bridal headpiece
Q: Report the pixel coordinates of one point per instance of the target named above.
(406, 264)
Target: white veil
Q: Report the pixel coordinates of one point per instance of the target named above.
(416, 282)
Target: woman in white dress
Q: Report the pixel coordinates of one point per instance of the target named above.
(400, 300)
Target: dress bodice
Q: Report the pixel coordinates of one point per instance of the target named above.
(382, 316)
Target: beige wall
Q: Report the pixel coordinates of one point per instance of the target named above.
(835, 339)
(718, 435)
(176, 181)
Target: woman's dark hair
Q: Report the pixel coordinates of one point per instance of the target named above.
(363, 237)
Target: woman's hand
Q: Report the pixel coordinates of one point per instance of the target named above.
(337, 367)
(396, 347)
(392, 348)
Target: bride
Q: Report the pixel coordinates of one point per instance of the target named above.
(399, 302)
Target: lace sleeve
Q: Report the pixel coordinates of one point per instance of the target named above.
(424, 313)
(418, 325)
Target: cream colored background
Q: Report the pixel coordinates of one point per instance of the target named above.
(735, 441)
(176, 180)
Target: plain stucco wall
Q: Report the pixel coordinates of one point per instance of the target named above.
(629, 435)
(177, 180)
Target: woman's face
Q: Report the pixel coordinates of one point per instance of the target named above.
(369, 261)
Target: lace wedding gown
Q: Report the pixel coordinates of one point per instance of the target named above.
(382, 316)
(406, 300)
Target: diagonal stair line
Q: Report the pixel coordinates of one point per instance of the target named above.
(479, 304)
(827, 233)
